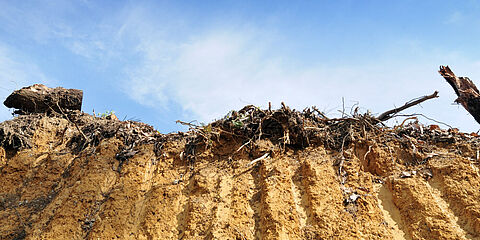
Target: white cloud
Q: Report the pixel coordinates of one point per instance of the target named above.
(209, 71)
(218, 71)
(223, 70)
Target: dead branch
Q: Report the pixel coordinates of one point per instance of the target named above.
(467, 92)
(190, 124)
(391, 113)
(320, 113)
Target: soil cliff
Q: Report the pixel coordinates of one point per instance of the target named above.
(255, 174)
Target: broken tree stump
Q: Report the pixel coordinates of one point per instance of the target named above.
(39, 98)
(467, 92)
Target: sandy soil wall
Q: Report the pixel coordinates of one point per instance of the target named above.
(49, 191)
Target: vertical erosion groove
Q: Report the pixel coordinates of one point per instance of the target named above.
(302, 208)
(429, 216)
(199, 211)
(392, 215)
(222, 210)
(322, 198)
(279, 217)
(255, 202)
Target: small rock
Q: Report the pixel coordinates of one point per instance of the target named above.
(408, 174)
(351, 199)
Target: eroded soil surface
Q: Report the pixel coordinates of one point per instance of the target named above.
(123, 180)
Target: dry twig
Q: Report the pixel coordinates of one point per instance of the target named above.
(391, 113)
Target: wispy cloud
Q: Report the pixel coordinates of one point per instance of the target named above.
(55, 22)
(87, 48)
(167, 59)
(223, 70)
(211, 70)
(455, 17)
(219, 70)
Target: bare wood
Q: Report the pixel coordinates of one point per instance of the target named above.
(391, 113)
(39, 99)
(467, 92)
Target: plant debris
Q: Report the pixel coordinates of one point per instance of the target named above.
(284, 127)
(293, 129)
(16, 134)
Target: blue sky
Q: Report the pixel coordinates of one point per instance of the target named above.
(161, 61)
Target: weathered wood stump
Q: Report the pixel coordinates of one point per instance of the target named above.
(467, 92)
(39, 98)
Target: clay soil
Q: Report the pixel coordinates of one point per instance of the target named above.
(417, 184)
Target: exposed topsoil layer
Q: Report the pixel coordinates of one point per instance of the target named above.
(255, 174)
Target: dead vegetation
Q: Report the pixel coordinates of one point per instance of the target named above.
(292, 129)
(16, 134)
(284, 128)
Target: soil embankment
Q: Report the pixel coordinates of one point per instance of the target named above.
(252, 175)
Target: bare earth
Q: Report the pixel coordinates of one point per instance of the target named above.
(383, 190)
